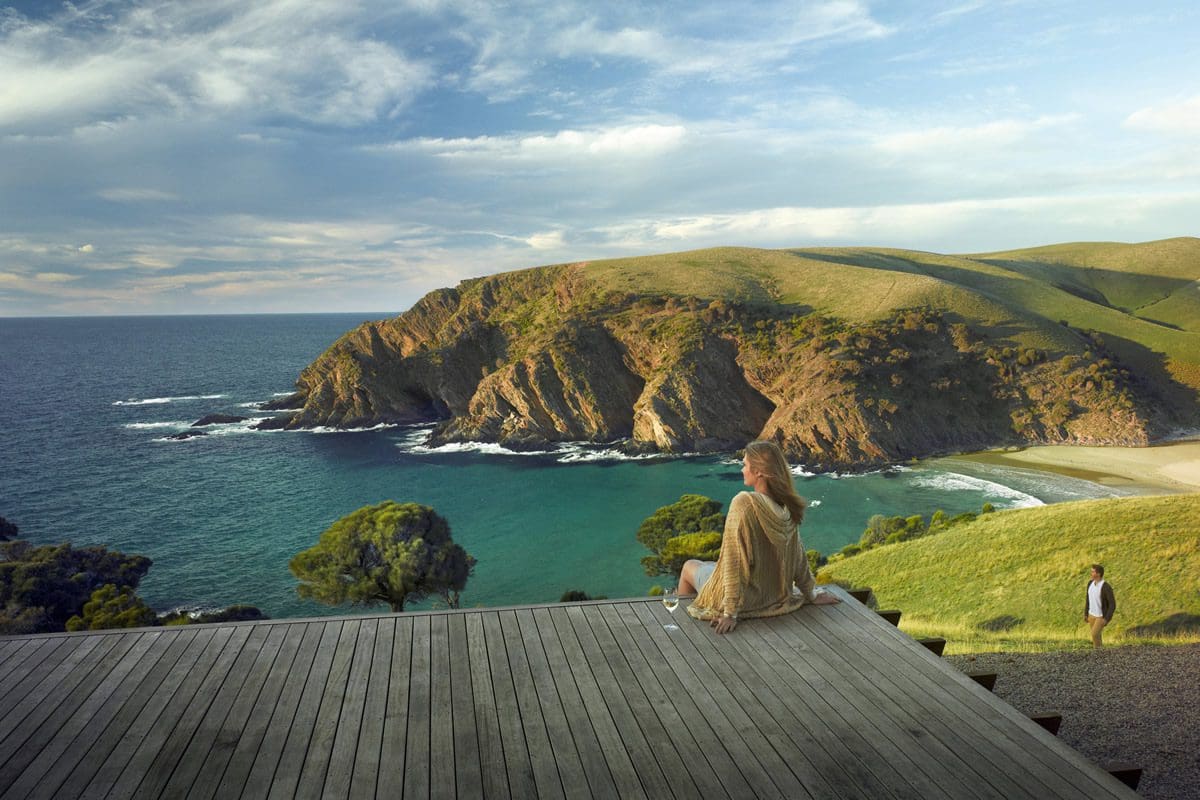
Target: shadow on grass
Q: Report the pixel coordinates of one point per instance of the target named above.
(1173, 625)
(1004, 622)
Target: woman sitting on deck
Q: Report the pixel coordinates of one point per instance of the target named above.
(761, 552)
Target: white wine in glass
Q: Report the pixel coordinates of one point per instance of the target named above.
(671, 601)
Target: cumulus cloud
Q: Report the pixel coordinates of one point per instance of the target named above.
(103, 61)
(1176, 118)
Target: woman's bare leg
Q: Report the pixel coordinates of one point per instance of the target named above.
(687, 577)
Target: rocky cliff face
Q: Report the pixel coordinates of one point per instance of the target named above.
(539, 356)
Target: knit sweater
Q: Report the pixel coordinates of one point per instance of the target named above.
(761, 557)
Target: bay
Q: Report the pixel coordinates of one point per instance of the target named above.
(86, 405)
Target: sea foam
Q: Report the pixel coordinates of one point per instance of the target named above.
(155, 401)
(955, 482)
(151, 425)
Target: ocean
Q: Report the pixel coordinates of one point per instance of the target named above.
(86, 405)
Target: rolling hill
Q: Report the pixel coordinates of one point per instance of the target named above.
(849, 357)
(1016, 579)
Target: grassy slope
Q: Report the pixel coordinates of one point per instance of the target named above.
(1018, 295)
(1032, 564)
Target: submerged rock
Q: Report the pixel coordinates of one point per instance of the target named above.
(179, 437)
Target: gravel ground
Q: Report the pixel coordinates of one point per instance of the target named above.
(1137, 705)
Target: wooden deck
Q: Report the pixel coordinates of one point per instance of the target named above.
(585, 700)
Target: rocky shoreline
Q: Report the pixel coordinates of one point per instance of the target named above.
(1137, 705)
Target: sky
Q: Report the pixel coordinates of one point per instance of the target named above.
(271, 156)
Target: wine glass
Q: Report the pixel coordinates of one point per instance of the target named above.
(670, 599)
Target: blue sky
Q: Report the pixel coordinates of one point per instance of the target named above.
(304, 155)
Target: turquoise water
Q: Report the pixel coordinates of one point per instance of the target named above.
(85, 404)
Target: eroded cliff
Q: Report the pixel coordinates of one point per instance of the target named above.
(547, 355)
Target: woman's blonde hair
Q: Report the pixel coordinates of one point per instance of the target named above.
(767, 460)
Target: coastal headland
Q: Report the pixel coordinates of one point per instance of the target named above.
(850, 358)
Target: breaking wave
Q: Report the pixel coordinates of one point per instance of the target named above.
(155, 401)
(956, 482)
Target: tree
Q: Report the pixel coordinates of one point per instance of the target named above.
(388, 553)
(42, 587)
(691, 514)
(110, 607)
(704, 545)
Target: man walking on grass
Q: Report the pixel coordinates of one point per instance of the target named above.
(1100, 604)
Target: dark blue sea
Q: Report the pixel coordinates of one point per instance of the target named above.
(86, 404)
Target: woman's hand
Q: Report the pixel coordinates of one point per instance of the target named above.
(825, 599)
(723, 624)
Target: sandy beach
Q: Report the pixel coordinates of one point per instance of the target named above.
(1169, 467)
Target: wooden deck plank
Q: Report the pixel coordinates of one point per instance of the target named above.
(216, 740)
(34, 680)
(58, 758)
(267, 755)
(254, 738)
(596, 739)
(568, 659)
(710, 769)
(940, 681)
(350, 720)
(844, 757)
(542, 753)
(370, 735)
(52, 708)
(441, 718)
(729, 712)
(541, 697)
(183, 751)
(895, 765)
(395, 720)
(329, 711)
(291, 760)
(1008, 732)
(876, 675)
(28, 665)
(709, 728)
(901, 742)
(571, 623)
(585, 700)
(416, 755)
(104, 748)
(467, 771)
(875, 712)
(517, 768)
(493, 773)
(10, 646)
(139, 744)
(150, 766)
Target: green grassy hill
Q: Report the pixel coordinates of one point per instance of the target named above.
(1015, 580)
(849, 357)
(1144, 298)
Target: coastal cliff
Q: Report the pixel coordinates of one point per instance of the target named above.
(706, 351)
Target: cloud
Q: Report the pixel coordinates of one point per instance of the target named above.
(316, 62)
(942, 140)
(1177, 118)
(132, 195)
(934, 225)
(626, 141)
(548, 240)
